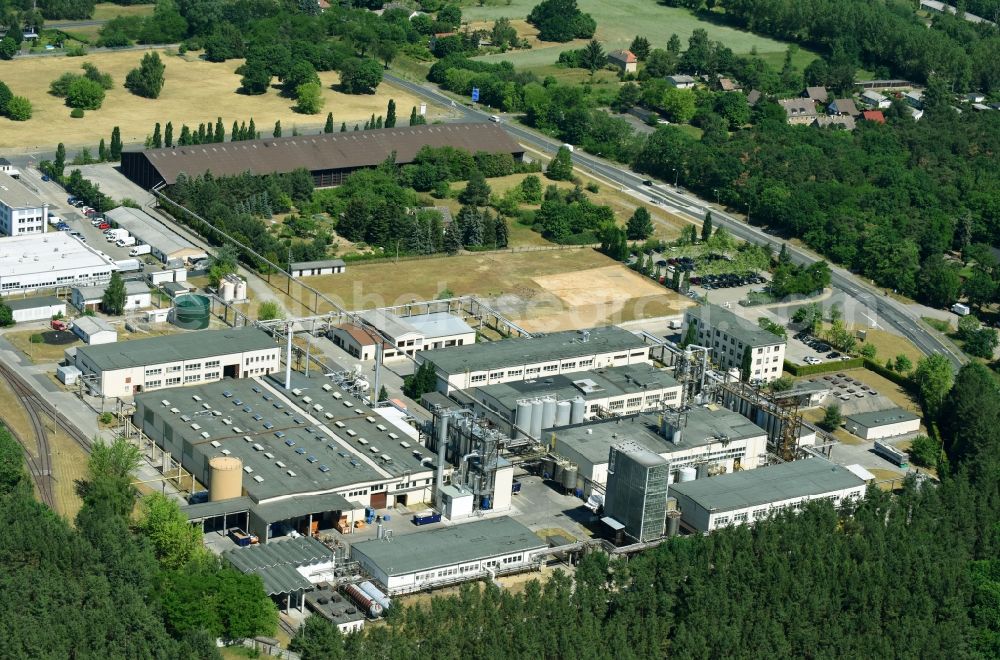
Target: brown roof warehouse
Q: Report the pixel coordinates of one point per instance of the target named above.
(329, 157)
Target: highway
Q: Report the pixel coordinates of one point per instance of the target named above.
(888, 311)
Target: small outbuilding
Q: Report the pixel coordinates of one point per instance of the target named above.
(36, 309)
(88, 298)
(624, 60)
(325, 267)
(681, 81)
(882, 424)
(93, 330)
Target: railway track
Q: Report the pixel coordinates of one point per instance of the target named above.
(37, 409)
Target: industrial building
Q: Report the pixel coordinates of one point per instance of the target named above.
(544, 356)
(335, 608)
(702, 440)
(94, 331)
(407, 334)
(36, 309)
(34, 262)
(606, 392)
(182, 359)
(288, 567)
(882, 424)
(730, 336)
(279, 460)
(746, 497)
(88, 298)
(164, 244)
(637, 491)
(449, 555)
(324, 267)
(328, 157)
(21, 211)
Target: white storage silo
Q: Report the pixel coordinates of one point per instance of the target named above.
(577, 410)
(548, 412)
(686, 474)
(562, 413)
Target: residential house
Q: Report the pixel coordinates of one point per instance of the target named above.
(843, 107)
(914, 98)
(817, 94)
(729, 85)
(975, 97)
(844, 122)
(681, 81)
(799, 111)
(624, 60)
(873, 115)
(753, 97)
(875, 100)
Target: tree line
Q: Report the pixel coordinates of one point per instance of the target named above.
(113, 585)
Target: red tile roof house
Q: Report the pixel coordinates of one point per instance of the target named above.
(873, 115)
(624, 60)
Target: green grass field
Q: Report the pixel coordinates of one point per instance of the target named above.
(619, 21)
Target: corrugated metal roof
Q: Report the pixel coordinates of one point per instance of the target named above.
(332, 151)
(148, 229)
(276, 562)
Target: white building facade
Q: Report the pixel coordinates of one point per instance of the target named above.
(37, 262)
(174, 360)
(21, 211)
(729, 336)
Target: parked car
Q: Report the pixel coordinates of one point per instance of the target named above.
(46, 177)
(647, 182)
(104, 225)
(832, 355)
(813, 360)
(71, 200)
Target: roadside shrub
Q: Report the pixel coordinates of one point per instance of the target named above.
(76, 113)
(19, 108)
(106, 418)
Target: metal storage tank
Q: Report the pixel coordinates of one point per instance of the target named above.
(557, 471)
(673, 523)
(522, 416)
(578, 410)
(547, 466)
(241, 289)
(192, 311)
(536, 419)
(227, 290)
(686, 474)
(363, 600)
(225, 478)
(568, 480)
(702, 470)
(562, 413)
(376, 594)
(548, 413)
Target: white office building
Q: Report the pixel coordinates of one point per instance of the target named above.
(730, 336)
(510, 360)
(746, 497)
(37, 262)
(21, 211)
(881, 424)
(406, 334)
(450, 555)
(185, 359)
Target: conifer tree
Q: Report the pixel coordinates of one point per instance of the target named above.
(168, 135)
(328, 128)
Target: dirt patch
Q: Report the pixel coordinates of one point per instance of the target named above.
(44, 352)
(59, 338)
(69, 463)
(610, 284)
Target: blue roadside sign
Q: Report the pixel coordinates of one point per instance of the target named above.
(475, 94)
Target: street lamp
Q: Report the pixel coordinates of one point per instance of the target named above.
(716, 196)
(677, 175)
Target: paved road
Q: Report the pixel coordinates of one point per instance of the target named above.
(890, 312)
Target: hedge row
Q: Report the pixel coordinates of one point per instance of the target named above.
(822, 368)
(903, 381)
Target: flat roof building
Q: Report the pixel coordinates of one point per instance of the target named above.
(710, 439)
(329, 157)
(449, 555)
(42, 308)
(407, 334)
(36, 262)
(730, 336)
(309, 455)
(182, 359)
(746, 497)
(509, 360)
(21, 211)
(164, 243)
(324, 267)
(607, 392)
(882, 424)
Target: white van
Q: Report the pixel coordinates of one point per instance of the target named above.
(495, 119)
(569, 147)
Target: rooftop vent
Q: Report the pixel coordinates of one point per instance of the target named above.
(216, 444)
(248, 469)
(196, 397)
(327, 388)
(165, 402)
(268, 455)
(175, 410)
(404, 444)
(226, 452)
(291, 473)
(227, 394)
(195, 426)
(258, 478)
(323, 468)
(247, 438)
